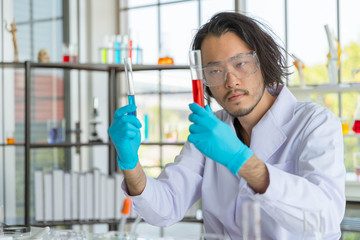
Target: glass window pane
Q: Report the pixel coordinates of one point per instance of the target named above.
(176, 36)
(44, 9)
(15, 189)
(307, 37)
(349, 102)
(350, 41)
(176, 81)
(145, 33)
(270, 13)
(152, 171)
(47, 101)
(169, 153)
(210, 7)
(24, 43)
(328, 100)
(175, 113)
(146, 81)
(136, 3)
(21, 10)
(148, 111)
(48, 36)
(19, 77)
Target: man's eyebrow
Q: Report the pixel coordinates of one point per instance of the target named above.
(209, 64)
(212, 63)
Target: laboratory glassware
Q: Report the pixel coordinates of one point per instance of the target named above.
(251, 220)
(130, 83)
(356, 159)
(10, 139)
(56, 130)
(344, 125)
(125, 212)
(197, 77)
(356, 119)
(56, 234)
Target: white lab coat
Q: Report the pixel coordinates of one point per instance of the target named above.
(302, 146)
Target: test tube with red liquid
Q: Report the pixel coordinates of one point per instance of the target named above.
(197, 77)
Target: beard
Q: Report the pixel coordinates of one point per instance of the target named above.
(245, 111)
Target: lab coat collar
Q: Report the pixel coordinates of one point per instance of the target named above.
(267, 135)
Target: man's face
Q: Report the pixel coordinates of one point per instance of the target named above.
(237, 96)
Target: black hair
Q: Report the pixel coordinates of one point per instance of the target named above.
(256, 35)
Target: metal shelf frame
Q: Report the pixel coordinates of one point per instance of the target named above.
(112, 71)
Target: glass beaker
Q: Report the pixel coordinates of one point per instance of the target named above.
(113, 235)
(312, 225)
(10, 139)
(65, 53)
(345, 125)
(251, 220)
(56, 130)
(356, 159)
(66, 235)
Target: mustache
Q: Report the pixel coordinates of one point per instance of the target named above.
(239, 90)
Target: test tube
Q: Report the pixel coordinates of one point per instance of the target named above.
(125, 212)
(197, 77)
(130, 83)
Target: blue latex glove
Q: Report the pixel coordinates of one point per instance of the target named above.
(126, 137)
(216, 139)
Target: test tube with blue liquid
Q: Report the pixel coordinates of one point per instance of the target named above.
(130, 83)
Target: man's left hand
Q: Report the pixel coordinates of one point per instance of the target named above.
(216, 139)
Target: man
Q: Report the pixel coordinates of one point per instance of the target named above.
(263, 145)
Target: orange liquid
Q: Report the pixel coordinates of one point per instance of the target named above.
(166, 61)
(10, 140)
(345, 128)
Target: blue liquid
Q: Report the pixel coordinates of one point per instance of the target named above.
(146, 123)
(131, 99)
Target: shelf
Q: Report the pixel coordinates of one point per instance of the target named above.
(163, 143)
(92, 66)
(343, 87)
(91, 222)
(54, 145)
(11, 145)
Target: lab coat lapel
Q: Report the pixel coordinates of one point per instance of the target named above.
(268, 136)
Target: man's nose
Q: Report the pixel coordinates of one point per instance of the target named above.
(231, 80)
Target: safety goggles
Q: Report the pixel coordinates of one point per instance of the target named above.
(241, 66)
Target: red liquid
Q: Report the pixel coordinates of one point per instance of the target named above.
(66, 58)
(356, 127)
(198, 92)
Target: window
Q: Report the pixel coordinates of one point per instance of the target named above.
(39, 26)
(164, 96)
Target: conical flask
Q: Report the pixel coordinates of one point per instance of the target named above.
(356, 119)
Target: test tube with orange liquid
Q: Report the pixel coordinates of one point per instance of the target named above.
(125, 212)
(197, 77)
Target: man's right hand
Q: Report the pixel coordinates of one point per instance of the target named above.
(126, 137)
